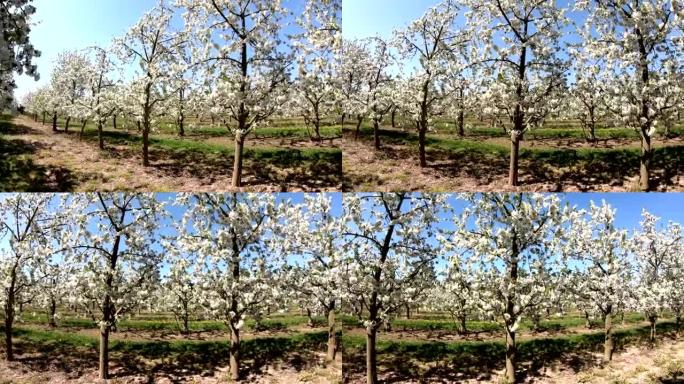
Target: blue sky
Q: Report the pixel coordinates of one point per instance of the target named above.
(629, 206)
(364, 18)
(76, 24)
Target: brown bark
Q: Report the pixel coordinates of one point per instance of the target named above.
(54, 122)
(146, 146)
(645, 162)
(234, 349)
(181, 125)
(100, 136)
(9, 320)
(237, 161)
(376, 134)
(234, 352)
(66, 124)
(104, 351)
(460, 122)
(514, 160)
(371, 356)
(653, 321)
(332, 336)
(52, 314)
(511, 319)
(421, 144)
(357, 133)
(114, 121)
(587, 322)
(310, 321)
(510, 356)
(609, 343)
(464, 325)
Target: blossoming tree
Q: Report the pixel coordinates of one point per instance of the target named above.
(510, 238)
(233, 237)
(114, 247)
(387, 257)
(240, 46)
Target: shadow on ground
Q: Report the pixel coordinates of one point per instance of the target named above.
(456, 361)
(43, 351)
(285, 167)
(19, 173)
(583, 168)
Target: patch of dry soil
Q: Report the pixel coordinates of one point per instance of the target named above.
(119, 168)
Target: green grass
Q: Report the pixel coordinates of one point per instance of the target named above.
(157, 349)
(474, 356)
(274, 323)
(447, 324)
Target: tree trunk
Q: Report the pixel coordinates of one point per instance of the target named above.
(645, 166)
(53, 312)
(332, 336)
(371, 356)
(104, 351)
(237, 161)
(421, 144)
(376, 133)
(460, 123)
(653, 320)
(234, 352)
(608, 344)
(146, 145)
(100, 136)
(139, 126)
(464, 326)
(678, 321)
(510, 356)
(310, 322)
(44, 118)
(587, 322)
(9, 319)
(408, 311)
(66, 124)
(394, 115)
(54, 122)
(114, 121)
(181, 125)
(186, 327)
(515, 149)
(357, 133)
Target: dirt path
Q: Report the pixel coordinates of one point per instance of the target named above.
(81, 166)
(636, 365)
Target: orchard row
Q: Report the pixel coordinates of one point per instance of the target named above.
(238, 257)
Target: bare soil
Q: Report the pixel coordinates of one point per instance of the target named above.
(643, 364)
(69, 164)
(311, 372)
(54, 363)
(396, 167)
